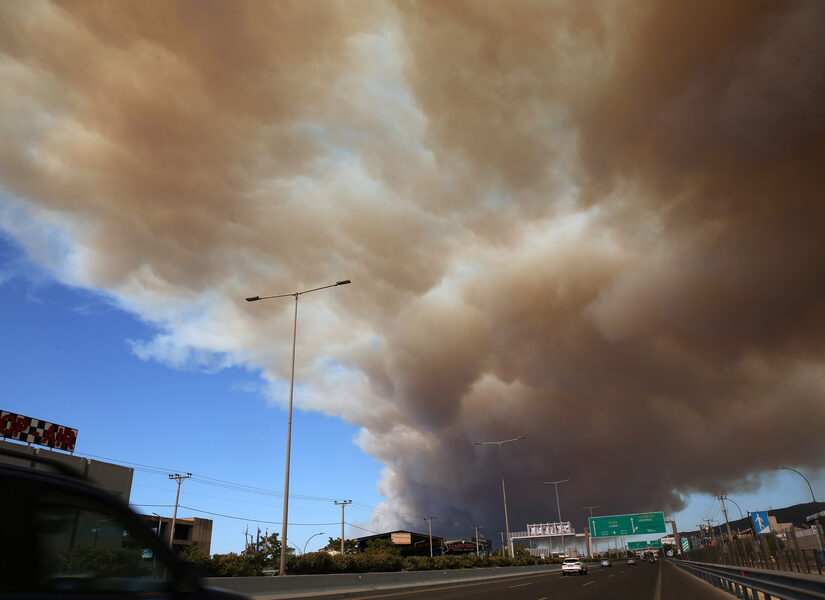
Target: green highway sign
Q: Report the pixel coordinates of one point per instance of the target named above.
(637, 545)
(635, 524)
(655, 543)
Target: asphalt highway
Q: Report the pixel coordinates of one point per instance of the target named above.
(656, 581)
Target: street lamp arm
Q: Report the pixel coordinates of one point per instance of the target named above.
(816, 504)
(556, 482)
(501, 442)
(323, 287)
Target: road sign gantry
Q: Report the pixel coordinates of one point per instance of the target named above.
(633, 524)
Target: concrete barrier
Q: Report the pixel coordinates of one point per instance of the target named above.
(295, 586)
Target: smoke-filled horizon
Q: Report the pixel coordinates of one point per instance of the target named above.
(596, 225)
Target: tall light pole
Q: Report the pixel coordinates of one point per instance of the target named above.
(503, 489)
(476, 527)
(816, 504)
(590, 535)
(295, 295)
(558, 506)
(310, 537)
(430, 525)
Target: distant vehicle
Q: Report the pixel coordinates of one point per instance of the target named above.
(606, 562)
(573, 565)
(651, 559)
(63, 537)
(631, 562)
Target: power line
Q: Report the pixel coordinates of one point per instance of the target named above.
(206, 512)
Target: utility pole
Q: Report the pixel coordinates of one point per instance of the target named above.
(342, 504)
(179, 478)
(476, 527)
(430, 525)
(712, 532)
(501, 533)
(722, 496)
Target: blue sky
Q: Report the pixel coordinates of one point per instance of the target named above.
(66, 358)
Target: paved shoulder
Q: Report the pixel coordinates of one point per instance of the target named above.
(679, 585)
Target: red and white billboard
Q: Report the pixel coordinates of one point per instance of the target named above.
(34, 431)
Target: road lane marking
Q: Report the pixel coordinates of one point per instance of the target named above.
(520, 585)
(657, 594)
(611, 575)
(588, 583)
(543, 598)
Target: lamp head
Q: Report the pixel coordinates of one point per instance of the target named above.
(253, 299)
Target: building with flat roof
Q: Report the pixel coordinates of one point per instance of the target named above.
(116, 479)
(188, 531)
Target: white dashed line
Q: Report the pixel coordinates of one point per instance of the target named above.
(588, 583)
(520, 585)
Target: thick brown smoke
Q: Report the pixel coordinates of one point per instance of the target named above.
(598, 225)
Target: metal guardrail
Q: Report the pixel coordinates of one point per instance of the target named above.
(749, 583)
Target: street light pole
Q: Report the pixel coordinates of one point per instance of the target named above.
(503, 489)
(310, 537)
(558, 507)
(590, 535)
(477, 527)
(295, 295)
(816, 505)
(430, 525)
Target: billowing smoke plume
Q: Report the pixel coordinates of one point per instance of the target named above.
(597, 225)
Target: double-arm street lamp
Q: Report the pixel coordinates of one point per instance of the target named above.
(503, 490)
(558, 507)
(295, 295)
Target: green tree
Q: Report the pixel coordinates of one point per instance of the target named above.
(194, 554)
(350, 546)
(382, 545)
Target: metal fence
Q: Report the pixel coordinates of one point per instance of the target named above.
(761, 553)
(758, 584)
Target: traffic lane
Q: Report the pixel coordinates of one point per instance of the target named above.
(619, 582)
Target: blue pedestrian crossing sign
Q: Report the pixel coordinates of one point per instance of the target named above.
(761, 522)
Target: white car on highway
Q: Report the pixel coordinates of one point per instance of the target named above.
(573, 565)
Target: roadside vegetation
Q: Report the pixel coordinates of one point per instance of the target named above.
(381, 556)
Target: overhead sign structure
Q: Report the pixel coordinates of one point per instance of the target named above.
(761, 523)
(542, 529)
(655, 544)
(34, 431)
(635, 524)
(637, 545)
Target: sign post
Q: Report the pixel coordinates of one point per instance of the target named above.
(761, 523)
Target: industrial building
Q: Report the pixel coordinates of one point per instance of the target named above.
(409, 543)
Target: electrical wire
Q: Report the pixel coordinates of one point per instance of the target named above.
(248, 519)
